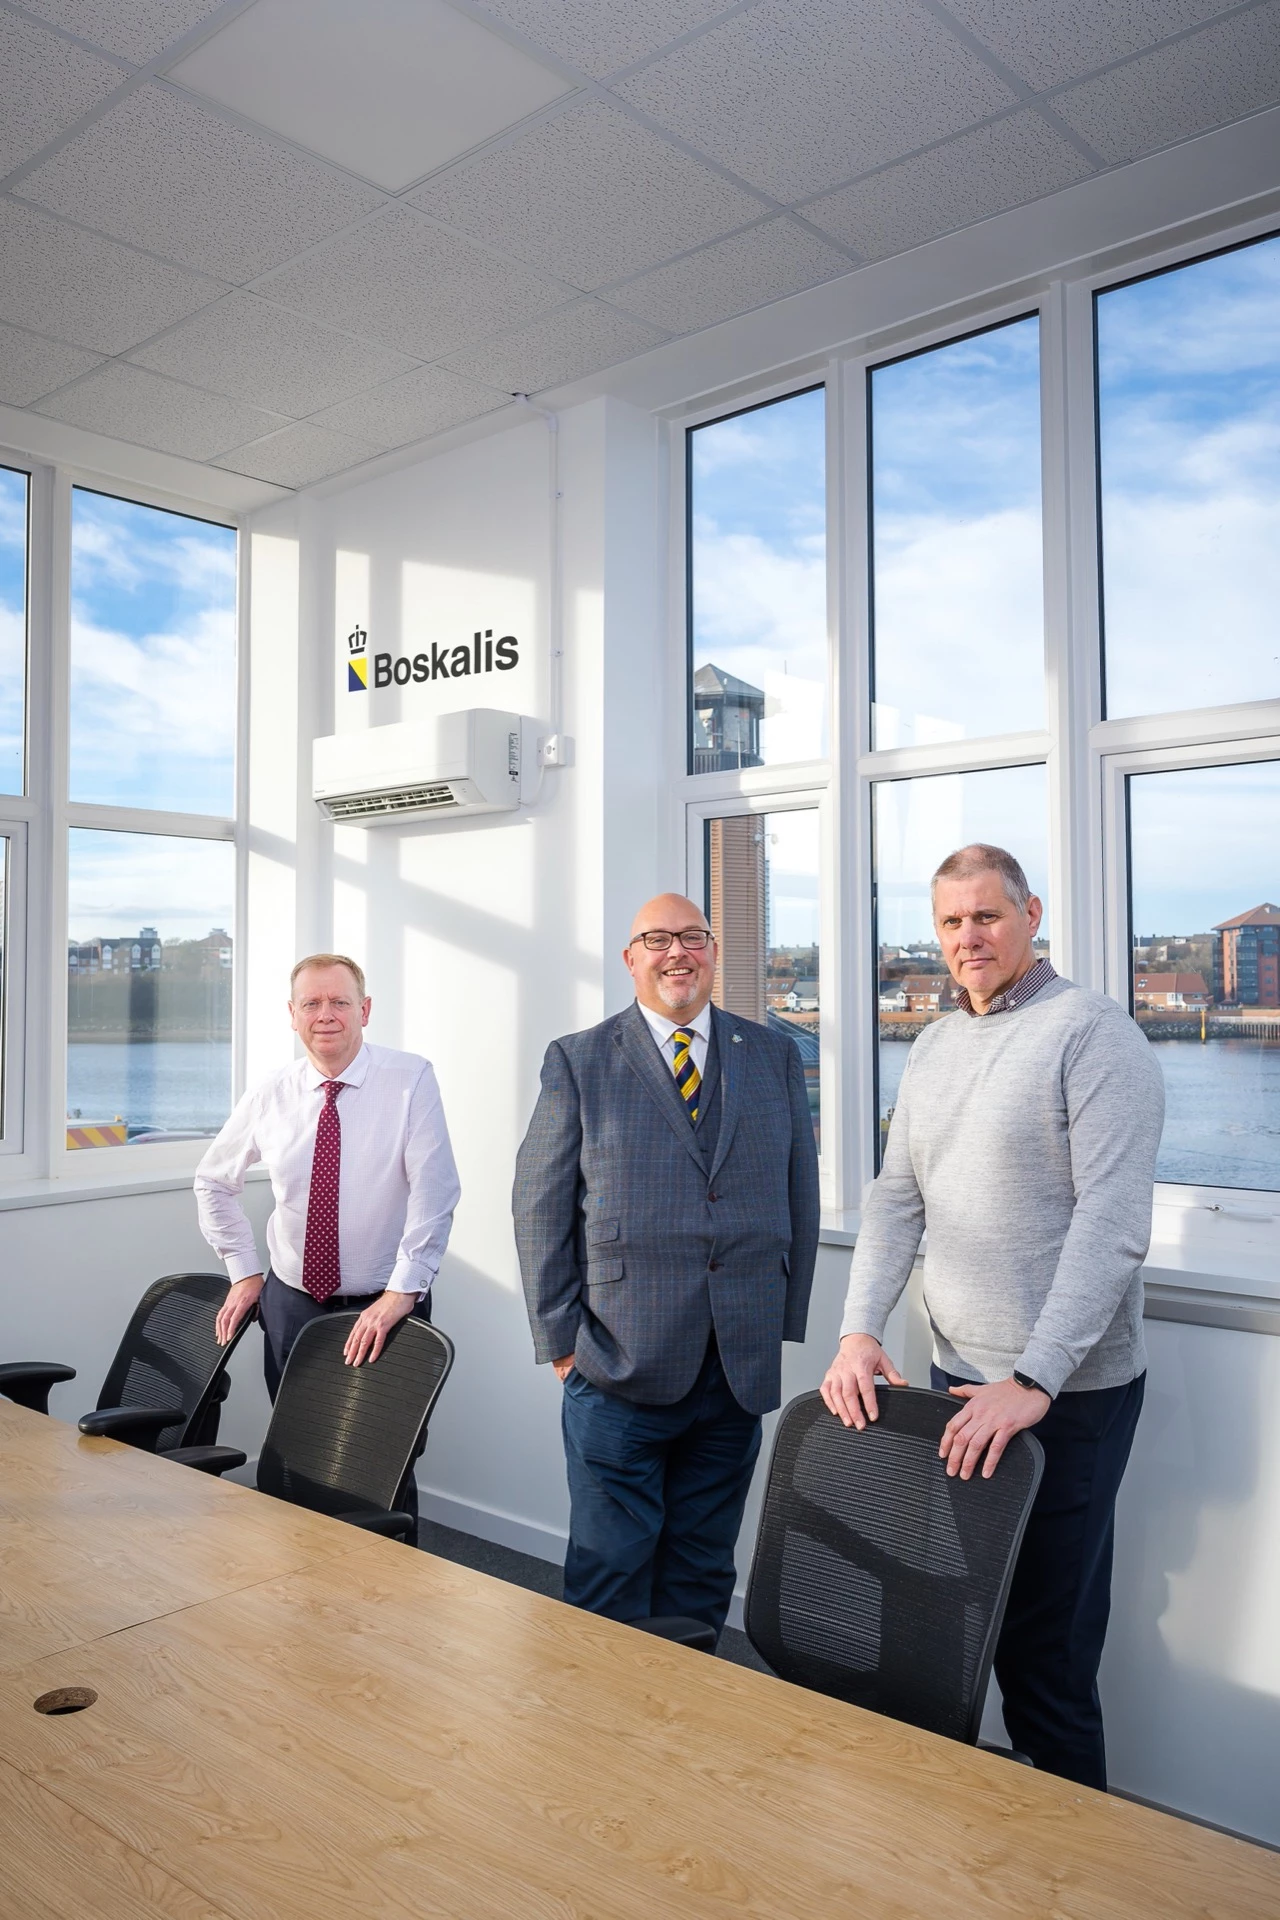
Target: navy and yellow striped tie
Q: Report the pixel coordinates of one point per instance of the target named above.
(688, 1079)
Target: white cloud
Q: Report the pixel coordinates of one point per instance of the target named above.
(120, 882)
(143, 707)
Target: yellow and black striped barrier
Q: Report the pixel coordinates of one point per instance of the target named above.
(102, 1133)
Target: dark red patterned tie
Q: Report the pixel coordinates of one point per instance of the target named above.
(321, 1265)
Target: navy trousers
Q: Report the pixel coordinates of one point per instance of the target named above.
(656, 1498)
(285, 1311)
(1055, 1624)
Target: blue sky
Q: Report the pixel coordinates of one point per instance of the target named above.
(1189, 420)
(919, 822)
(759, 564)
(153, 634)
(1203, 845)
(13, 625)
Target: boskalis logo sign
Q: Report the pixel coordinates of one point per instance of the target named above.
(483, 654)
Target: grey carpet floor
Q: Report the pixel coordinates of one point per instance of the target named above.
(541, 1576)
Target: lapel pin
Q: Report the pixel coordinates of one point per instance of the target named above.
(737, 1039)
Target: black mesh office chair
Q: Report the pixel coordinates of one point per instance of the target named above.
(876, 1578)
(167, 1383)
(342, 1439)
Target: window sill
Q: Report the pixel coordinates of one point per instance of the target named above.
(21, 1194)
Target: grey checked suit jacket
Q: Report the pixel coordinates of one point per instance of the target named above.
(634, 1244)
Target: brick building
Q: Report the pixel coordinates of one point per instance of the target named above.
(1246, 962)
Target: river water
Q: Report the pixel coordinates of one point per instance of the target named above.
(1222, 1113)
(171, 1085)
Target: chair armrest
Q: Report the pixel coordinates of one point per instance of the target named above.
(136, 1426)
(681, 1630)
(1005, 1753)
(217, 1460)
(28, 1381)
(393, 1526)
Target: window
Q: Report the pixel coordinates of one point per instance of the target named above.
(957, 591)
(757, 586)
(153, 657)
(762, 903)
(1205, 931)
(1189, 432)
(917, 824)
(148, 987)
(13, 630)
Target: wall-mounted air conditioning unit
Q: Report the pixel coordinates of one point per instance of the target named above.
(480, 761)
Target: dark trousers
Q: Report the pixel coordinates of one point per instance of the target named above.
(1050, 1644)
(285, 1311)
(656, 1498)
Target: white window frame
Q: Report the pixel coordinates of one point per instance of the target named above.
(34, 1150)
(1086, 757)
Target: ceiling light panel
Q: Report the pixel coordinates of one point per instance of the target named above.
(136, 29)
(398, 279)
(797, 96)
(428, 400)
(600, 36)
(735, 275)
(1204, 81)
(297, 456)
(589, 195)
(45, 85)
(565, 346)
(30, 366)
(86, 290)
(389, 89)
(160, 171)
(982, 173)
(253, 351)
(1047, 45)
(131, 404)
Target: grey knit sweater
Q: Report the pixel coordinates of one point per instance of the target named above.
(1025, 1142)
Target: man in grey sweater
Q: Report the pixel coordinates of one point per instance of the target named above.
(1024, 1140)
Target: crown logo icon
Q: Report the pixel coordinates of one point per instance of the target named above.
(356, 639)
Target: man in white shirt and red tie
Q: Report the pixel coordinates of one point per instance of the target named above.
(355, 1140)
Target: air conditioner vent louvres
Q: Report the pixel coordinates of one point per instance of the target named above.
(371, 806)
(449, 765)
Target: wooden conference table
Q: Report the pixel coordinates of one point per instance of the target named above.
(298, 1722)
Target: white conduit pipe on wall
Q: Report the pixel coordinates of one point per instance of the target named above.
(555, 749)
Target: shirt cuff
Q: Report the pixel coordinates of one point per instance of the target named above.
(408, 1276)
(243, 1266)
(1045, 1364)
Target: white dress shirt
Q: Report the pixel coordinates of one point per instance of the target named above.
(661, 1026)
(398, 1185)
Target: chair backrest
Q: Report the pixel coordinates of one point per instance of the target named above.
(170, 1356)
(342, 1438)
(878, 1579)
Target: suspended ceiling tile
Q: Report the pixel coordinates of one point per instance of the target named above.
(428, 400)
(159, 171)
(1204, 81)
(130, 404)
(30, 366)
(88, 290)
(135, 29)
(589, 195)
(1047, 45)
(565, 346)
(298, 456)
(389, 89)
(599, 36)
(797, 96)
(252, 351)
(733, 276)
(45, 86)
(982, 173)
(400, 280)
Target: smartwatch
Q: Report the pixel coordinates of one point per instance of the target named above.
(1025, 1380)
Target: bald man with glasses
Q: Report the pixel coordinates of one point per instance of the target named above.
(666, 1213)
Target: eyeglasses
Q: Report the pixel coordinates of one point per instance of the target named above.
(693, 939)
